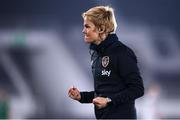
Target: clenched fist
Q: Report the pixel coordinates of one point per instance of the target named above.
(74, 93)
(100, 102)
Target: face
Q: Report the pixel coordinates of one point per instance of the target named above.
(91, 33)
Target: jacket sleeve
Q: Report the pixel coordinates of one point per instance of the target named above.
(86, 97)
(129, 72)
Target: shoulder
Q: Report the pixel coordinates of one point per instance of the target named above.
(121, 50)
(119, 47)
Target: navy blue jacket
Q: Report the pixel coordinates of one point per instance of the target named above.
(116, 75)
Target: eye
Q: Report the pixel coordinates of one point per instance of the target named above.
(86, 26)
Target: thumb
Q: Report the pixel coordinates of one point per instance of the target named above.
(74, 88)
(94, 101)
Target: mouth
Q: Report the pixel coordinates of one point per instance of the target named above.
(85, 36)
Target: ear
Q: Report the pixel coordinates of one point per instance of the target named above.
(102, 29)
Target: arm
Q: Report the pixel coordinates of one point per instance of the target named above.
(86, 97)
(82, 97)
(128, 70)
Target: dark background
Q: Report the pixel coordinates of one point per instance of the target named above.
(42, 54)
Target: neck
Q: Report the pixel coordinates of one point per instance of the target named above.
(102, 37)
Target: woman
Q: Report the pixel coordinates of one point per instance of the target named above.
(117, 81)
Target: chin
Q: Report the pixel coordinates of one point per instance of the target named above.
(87, 41)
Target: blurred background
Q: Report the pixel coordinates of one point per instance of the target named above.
(42, 54)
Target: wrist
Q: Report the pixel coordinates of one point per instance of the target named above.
(108, 100)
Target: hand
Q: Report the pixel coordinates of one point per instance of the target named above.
(100, 102)
(74, 93)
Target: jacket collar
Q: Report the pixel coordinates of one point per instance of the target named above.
(111, 38)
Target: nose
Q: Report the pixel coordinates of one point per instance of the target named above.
(84, 31)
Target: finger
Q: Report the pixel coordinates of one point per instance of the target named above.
(73, 87)
(73, 94)
(70, 95)
(98, 98)
(95, 101)
(70, 90)
(76, 92)
(73, 90)
(98, 105)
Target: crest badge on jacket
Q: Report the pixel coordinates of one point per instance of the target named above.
(105, 61)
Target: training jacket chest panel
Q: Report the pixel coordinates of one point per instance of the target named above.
(105, 72)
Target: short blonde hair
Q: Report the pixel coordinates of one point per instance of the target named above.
(102, 16)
